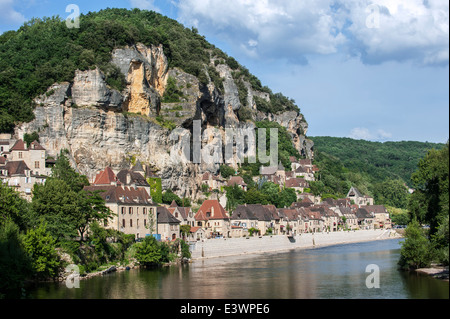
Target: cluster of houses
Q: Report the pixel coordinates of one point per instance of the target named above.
(22, 166)
(127, 195)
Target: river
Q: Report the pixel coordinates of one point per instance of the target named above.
(333, 272)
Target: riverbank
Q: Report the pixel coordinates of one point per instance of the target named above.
(437, 272)
(213, 248)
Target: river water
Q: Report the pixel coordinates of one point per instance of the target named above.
(333, 272)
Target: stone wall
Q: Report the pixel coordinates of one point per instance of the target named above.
(211, 248)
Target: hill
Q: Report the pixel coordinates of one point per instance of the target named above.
(45, 51)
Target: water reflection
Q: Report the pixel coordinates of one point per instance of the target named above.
(326, 273)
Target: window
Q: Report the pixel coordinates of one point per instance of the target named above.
(130, 210)
(20, 155)
(144, 210)
(36, 164)
(145, 223)
(123, 223)
(131, 223)
(123, 210)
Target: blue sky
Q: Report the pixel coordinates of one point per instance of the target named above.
(375, 70)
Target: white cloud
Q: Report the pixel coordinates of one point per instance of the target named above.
(144, 5)
(362, 133)
(416, 30)
(8, 14)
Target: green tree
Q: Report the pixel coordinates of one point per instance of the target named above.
(90, 208)
(185, 230)
(41, 248)
(391, 192)
(432, 183)
(148, 253)
(62, 170)
(226, 171)
(56, 204)
(13, 207)
(415, 251)
(15, 265)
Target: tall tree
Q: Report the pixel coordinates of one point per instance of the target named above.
(64, 171)
(431, 183)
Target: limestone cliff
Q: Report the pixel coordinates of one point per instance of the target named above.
(103, 127)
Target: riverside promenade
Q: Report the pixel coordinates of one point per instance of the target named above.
(213, 248)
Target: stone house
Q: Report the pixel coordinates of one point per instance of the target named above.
(184, 214)
(239, 181)
(213, 218)
(243, 217)
(212, 181)
(168, 225)
(17, 175)
(298, 184)
(380, 214)
(133, 209)
(34, 156)
(366, 220)
(359, 199)
(196, 233)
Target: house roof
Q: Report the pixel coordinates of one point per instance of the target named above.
(105, 177)
(296, 182)
(16, 168)
(268, 170)
(36, 146)
(354, 192)
(193, 230)
(138, 167)
(18, 146)
(135, 178)
(376, 209)
(361, 213)
(236, 180)
(165, 217)
(211, 209)
(243, 212)
(122, 195)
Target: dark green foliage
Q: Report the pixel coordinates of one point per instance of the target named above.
(430, 201)
(155, 189)
(13, 208)
(30, 138)
(415, 252)
(15, 264)
(172, 93)
(285, 146)
(393, 160)
(226, 171)
(41, 248)
(62, 170)
(278, 103)
(149, 252)
(392, 193)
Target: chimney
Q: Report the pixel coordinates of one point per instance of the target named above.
(212, 211)
(128, 179)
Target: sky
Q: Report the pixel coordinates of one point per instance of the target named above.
(375, 70)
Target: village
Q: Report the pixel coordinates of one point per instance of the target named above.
(127, 195)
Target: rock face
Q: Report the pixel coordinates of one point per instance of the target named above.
(89, 89)
(103, 127)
